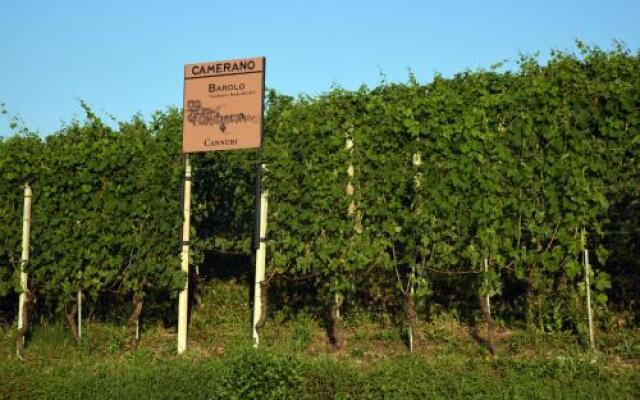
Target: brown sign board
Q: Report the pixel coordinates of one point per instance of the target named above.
(223, 105)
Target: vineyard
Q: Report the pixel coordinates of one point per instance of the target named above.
(476, 193)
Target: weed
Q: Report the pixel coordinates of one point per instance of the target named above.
(302, 332)
(387, 334)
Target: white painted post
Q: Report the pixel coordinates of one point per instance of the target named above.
(417, 162)
(79, 300)
(351, 209)
(261, 253)
(411, 293)
(587, 272)
(183, 300)
(488, 298)
(350, 172)
(24, 277)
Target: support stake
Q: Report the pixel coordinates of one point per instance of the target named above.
(488, 298)
(417, 162)
(411, 294)
(587, 285)
(79, 300)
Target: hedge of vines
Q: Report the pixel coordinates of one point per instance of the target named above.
(392, 198)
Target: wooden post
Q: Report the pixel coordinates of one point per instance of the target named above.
(587, 285)
(183, 300)
(24, 277)
(261, 252)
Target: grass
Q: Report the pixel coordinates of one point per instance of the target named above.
(263, 374)
(296, 361)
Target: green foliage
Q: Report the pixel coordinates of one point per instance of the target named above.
(302, 332)
(20, 163)
(503, 167)
(513, 166)
(261, 375)
(105, 210)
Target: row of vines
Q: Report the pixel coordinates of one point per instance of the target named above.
(405, 198)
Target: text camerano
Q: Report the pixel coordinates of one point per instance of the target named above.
(223, 68)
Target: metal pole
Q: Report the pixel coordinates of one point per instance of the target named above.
(24, 277)
(183, 300)
(261, 252)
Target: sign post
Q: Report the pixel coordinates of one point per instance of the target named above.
(24, 276)
(260, 243)
(223, 110)
(183, 299)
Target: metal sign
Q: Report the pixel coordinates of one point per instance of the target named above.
(223, 105)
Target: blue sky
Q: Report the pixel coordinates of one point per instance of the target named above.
(125, 57)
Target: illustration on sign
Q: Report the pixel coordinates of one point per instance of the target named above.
(223, 105)
(198, 115)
